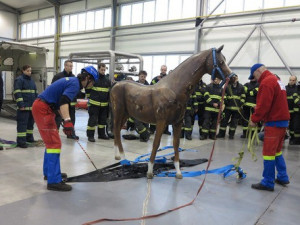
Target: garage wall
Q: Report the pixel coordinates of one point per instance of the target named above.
(8, 25)
(156, 38)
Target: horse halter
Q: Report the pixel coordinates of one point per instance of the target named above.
(216, 67)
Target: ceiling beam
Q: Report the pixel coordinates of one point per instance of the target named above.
(8, 8)
(54, 2)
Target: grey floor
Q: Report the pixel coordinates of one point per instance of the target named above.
(24, 198)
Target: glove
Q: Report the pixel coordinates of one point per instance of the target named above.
(68, 128)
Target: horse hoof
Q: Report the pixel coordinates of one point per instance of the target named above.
(179, 176)
(117, 158)
(150, 175)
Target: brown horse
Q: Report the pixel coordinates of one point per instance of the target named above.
(163, 103)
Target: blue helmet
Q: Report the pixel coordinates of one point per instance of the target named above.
(92, 71)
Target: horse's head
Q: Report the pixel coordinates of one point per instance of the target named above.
(216, 65)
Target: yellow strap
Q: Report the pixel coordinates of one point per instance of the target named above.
(266, 157)
(100, 89)
(19, 100)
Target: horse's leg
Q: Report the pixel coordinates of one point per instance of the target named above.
(119, 119)
(160, 127)
(176, 141)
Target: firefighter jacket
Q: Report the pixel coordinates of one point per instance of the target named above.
(158, 78)
(24, 91)
(213, 94)
(100, 92)
(68, 86)
(290, 90)
(251, 90)
(192, 103)
(271, 104)
(199, 91)
(234, 97)
(61, 75)
(296, 98)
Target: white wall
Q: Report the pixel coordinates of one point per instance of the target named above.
(8, 25)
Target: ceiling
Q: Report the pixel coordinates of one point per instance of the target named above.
(29, 5)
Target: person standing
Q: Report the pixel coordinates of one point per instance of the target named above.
(163, 73)
(291, 89)
(296, 122)
(200, 90)
(234, 99)
(272, 108)
(212, 96)
(67, 72)
(99, 109)
(57, 97)
(251, 89)
(25, 93)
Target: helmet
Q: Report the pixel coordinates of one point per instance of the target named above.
(92, 71)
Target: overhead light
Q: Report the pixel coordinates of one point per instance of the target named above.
(32, 53)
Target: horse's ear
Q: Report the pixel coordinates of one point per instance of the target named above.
(220, 49)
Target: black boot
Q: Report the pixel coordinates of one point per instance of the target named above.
(90, 134)
(221, 134)
(203, 137)
(182, 134)
(167, 131)
(144, 136)
(259, 186)
(22, 145)
(59, 187)
(188, 136)
(101, 134)
(244, 134)
(231, 134)
(212, 136)
(91, 139)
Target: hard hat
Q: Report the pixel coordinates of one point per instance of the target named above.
(92, 71)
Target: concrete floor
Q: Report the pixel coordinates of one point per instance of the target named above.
(24, 198)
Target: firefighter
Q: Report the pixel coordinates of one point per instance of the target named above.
(251, 89)
(296, 97)
(234, 99)
(25, 93)
(67, 72)
(191, 109)
(212, 96)
(57, 97)
(163, 73)
(272, 109)
(291, 88)
(99, 108)
(200, 90)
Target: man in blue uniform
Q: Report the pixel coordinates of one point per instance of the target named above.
(57, 97)
(25, 93)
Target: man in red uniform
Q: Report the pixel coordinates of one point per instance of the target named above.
(57, 97)
(272, 109)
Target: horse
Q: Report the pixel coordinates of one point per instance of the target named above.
(165, 102)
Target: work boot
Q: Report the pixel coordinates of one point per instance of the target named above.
(244, 135)
(73, 136)
(144, 136)
(182, 134)
(91, 139)
(22, 145)
(167, 131)
(59, 187)
(188, 137)
(259, 186)
(283, 183)
(102, 134)
(64, 176)
(203, 137)
(212, 137)
(231, 137)
(221, 134)
(111, 135)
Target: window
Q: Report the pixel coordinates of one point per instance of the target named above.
(156, 10)
(253, 5)
(81, 21)
(189, 8)
(37, 28)
(99, 19)
(273, 3)
(234, 6)
(148, 12)
(137, 15)
(292, 2)
(152, 64)
(161, 10)
(107, 18)
(125, 15)
(86, 21)
(90, 20)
